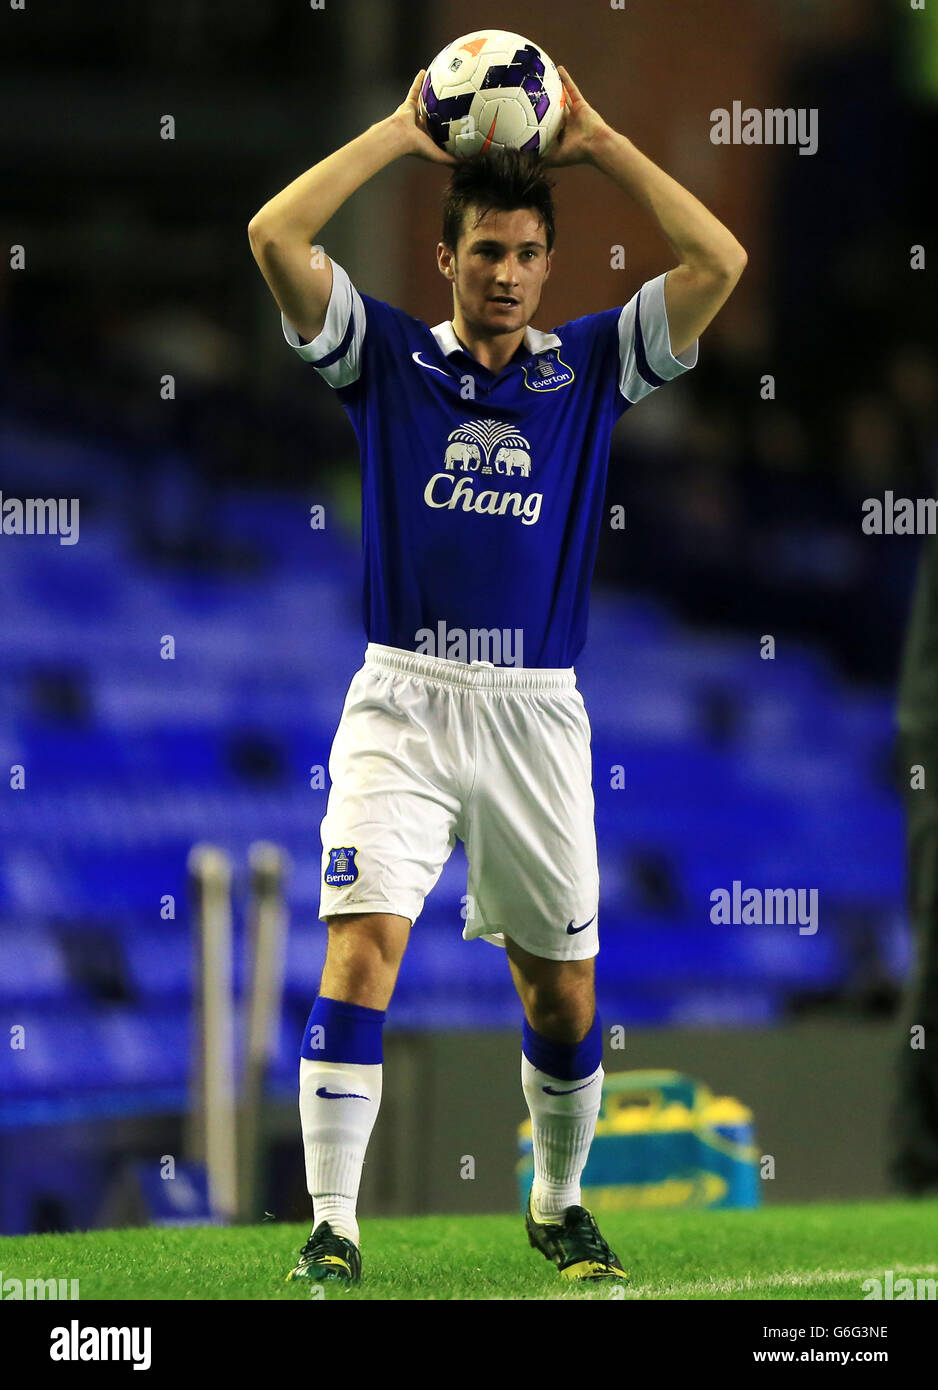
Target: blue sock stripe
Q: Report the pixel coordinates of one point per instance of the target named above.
(566, 1061)
(350, 1033)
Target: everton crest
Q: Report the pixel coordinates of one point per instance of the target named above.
(342, 868)
(546, 372)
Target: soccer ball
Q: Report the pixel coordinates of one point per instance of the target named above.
(492, 88)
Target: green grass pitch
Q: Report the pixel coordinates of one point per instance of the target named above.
(797, 1252)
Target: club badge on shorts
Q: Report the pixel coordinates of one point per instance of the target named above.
(342, 868)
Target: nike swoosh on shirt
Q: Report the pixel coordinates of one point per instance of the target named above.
(551, 1092)
(572, 930)
(429, 365)
(339, 1095)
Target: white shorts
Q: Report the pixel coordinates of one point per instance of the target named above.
(430, 750)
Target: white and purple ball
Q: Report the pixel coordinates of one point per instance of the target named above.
(492, 89)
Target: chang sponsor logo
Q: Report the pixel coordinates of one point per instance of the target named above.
(445, 491)
(491, 450)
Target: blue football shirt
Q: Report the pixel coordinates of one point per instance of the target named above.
(482, 493)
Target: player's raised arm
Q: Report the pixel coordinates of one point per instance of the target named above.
(710, 259)
(283, 231)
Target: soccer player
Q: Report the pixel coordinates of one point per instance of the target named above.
(484, 448)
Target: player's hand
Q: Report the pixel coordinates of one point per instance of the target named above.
(417, 140)
(581, 126)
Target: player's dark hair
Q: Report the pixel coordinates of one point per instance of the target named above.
(501, 181)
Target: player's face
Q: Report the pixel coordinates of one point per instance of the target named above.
(499, 269)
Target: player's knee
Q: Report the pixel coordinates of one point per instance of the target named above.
(561, 1028)
(375, 940)
(564, 1020)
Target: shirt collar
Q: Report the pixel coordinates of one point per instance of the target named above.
(534, 340)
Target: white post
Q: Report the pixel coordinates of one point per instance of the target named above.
(214, 1090)
(267, 925)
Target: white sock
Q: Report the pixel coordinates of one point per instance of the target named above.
(335, 1136)
(562, 1127)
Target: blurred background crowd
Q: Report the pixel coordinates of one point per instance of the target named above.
(742, 504)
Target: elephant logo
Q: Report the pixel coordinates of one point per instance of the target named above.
(466, 454)
(513, 459)
(487, 447)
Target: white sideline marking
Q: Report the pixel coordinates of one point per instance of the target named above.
(795, 1279)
